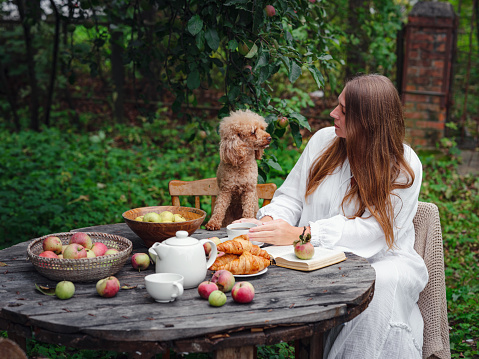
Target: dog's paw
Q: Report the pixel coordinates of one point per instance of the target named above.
(212, 226)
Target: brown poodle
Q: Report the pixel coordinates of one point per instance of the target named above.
(243, 140)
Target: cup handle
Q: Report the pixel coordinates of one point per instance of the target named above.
(179, 287)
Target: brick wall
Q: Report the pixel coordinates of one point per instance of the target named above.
(426, 83)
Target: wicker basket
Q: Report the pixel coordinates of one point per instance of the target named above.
(85, 269)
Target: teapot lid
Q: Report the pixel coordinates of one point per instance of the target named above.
(181, 239)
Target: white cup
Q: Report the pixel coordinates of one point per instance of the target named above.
(164, 287)
(237, 229)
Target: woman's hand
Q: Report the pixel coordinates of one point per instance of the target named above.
(277, 232)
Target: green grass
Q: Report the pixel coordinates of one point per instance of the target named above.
(54, 181)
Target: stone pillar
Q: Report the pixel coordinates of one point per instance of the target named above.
(427, 71)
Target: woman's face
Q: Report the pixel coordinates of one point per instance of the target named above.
(339, 115)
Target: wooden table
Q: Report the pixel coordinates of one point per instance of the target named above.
(288, 306)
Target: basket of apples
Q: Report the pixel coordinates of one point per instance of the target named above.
(79, 256)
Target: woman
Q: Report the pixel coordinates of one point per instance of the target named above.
(355, 188)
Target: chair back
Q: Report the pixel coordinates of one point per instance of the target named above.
(432, 300)
(209, 187)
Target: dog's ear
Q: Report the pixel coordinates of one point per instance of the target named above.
(258, 154)
(233, 151)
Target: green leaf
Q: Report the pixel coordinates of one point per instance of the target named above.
(45, 290)
(212, 39)
(252, 51)
(294, 72)
(298, 139)
(193, 80)
(302, 121)
(317, 75)
(232, 45)
(195, 24)
(274, 164)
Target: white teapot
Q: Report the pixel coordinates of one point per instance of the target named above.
(186, 256)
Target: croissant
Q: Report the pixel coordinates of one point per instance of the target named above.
(241, 244)
(246, 263)
(221, 261)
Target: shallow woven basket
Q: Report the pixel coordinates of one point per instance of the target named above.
(85, 269)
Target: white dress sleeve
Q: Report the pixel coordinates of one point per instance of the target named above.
(363, 235)
(287, 202)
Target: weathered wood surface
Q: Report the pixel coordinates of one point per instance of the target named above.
(288, 305)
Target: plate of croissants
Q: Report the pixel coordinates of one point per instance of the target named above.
(241, 257)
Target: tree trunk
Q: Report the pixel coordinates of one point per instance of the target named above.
(27, 14)
(354, 52)
(118, 75)
(54, 64)
(10, 97)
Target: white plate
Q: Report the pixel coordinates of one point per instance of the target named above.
(259, 244)
(251, 275)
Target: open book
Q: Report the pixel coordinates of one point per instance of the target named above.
(284, 257)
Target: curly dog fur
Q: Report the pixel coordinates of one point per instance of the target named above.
(243, 140)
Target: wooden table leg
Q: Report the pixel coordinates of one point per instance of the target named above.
(309, 348)
(235, 353)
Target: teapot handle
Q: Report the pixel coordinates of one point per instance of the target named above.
(213, 253)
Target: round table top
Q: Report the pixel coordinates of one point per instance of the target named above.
(288, 305)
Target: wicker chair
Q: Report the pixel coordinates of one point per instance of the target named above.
(432, 300)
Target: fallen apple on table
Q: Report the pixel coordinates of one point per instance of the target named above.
(217, 298)
(140, 261)
(108, 287)
(242, 292)
(64, 290)
(206, 288)
(224, 279)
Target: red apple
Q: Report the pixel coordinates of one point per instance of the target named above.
(140, 261)
(207, 248)
(108, 287)
(53, 244)
(224, 279)
(206, 288)
(243, 292)
(90, 253)
(270, 10)
(111, 251)
(74, 251)
(217, 298)
(282, 122)
(99, 249)
(48, 254)
(82, 238)
(303, 248)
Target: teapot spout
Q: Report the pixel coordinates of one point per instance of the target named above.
(161, 250)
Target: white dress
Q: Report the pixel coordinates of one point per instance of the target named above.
(392, 326)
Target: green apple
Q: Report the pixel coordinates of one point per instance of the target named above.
(65, 290)
(167, 216)
(152, 217)
(179, 218)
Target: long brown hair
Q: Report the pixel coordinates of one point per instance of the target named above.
(374, 147)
